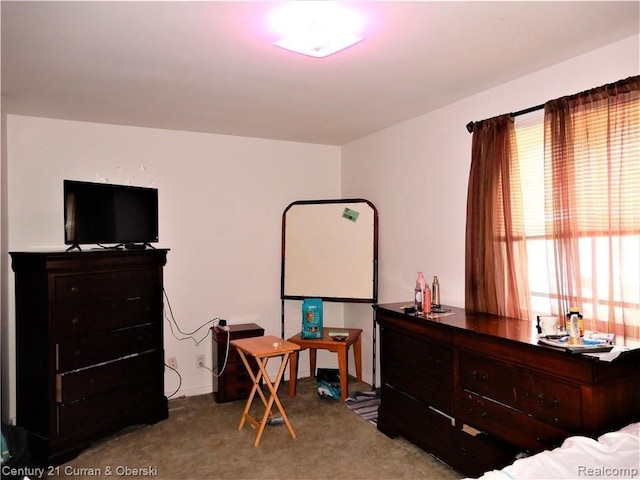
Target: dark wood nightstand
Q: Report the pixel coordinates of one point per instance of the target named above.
(234, 383)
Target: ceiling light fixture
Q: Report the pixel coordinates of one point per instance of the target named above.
(316, 28)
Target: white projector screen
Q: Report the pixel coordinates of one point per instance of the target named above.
(330, 250)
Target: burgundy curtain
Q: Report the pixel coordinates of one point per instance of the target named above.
(592, 205)
(496, 278)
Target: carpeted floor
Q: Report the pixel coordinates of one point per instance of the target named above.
(201, 440)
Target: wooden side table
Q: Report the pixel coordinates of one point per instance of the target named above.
(327, 343)
(262, 349)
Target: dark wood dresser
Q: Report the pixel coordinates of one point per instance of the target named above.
(234, 383)
(476, 389)
(89, 346)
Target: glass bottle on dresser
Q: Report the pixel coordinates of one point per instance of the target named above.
(435, 297)
(418, 293)
(426, 300)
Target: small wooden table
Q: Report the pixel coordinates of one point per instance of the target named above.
(262, 349)
(327, 343)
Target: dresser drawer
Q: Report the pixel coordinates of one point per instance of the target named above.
(88, 319)
(233, 358)
(430, 390)
(95, 411)
(90, 288)
(237, 382)
(474, 455)
(236, 391)
(236, 372)
(82, 352)
(542, 397)
(234, 369)
(92, 381)
(505, 422)
(400, 414)
(417, 355)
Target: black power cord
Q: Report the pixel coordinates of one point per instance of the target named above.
(179, 380)
(171, 320)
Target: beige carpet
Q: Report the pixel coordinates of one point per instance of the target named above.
(201, 440)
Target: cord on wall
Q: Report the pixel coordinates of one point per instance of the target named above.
(171, 320)
(179, 380)
(219, 322)
(224, 327)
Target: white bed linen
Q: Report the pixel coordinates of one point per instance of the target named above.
(615, 455)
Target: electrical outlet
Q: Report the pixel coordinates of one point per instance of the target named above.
(200, 360)
(172, 362)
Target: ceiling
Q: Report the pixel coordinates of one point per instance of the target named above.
(211, 66)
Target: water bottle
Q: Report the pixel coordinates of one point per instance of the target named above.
(575, 311)
(574, 329)
(435, 294)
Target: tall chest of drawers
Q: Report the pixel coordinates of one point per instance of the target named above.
(89, 346)
(476, 389)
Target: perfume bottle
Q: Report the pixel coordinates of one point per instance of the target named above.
(426, 300)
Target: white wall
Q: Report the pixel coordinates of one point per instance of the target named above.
(416, 174)
(221, 200)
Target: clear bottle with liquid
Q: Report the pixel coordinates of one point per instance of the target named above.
(580, 322)
(418, 292)
(574, 329)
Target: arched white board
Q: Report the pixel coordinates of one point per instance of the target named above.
(330, 250)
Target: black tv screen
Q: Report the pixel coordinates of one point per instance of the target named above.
(102, 213)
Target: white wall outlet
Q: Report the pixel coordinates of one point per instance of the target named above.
(200, 360)
(172, 362)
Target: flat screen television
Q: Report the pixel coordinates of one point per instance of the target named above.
(103, 213)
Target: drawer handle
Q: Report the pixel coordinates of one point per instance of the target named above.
(477, 376)
(130, 299)
(483, 414)
(472, 454)
(74, 290)
(75, 321)
(554, 403)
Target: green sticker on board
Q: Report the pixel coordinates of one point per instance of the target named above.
(350, 214)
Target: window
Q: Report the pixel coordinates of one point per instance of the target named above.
(593, 192)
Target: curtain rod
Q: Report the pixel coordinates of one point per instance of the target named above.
(514, 114)
(624, 82)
